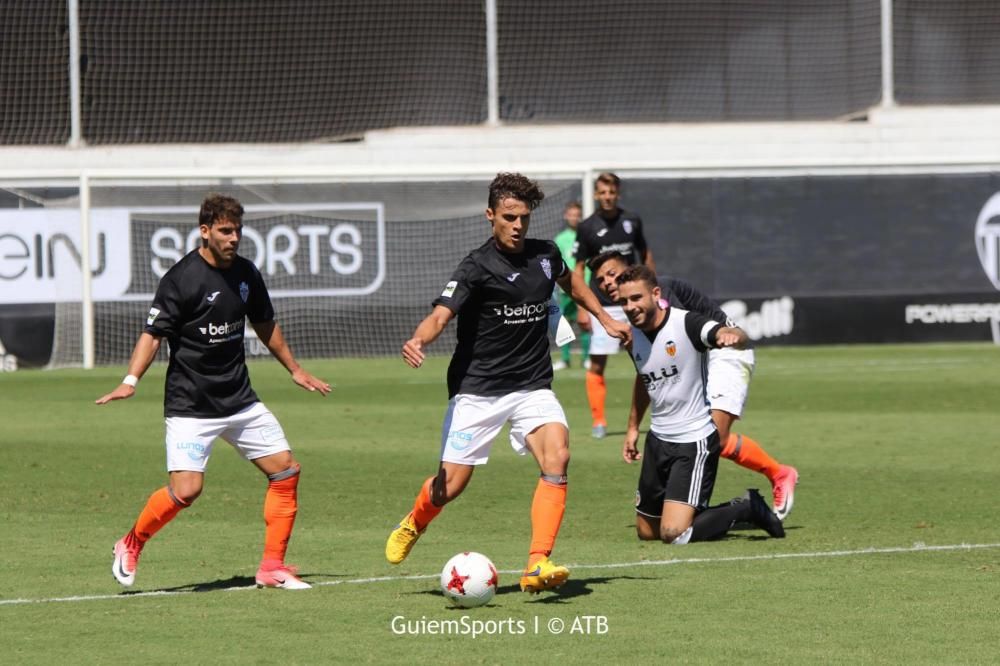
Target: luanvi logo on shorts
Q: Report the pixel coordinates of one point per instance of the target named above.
(988, 239)
(459, 440)
(195, 450)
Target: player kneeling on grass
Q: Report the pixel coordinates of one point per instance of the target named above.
(200, 308)
(681, 454)
(502, 371)
(729, 373)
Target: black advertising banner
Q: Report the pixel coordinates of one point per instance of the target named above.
(835, 259)
(868, 319)
(795, 260)
(825, 236)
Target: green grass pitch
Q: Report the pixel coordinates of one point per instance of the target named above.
(897, 447)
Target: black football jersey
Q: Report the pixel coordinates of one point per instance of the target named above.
(680, 293)
(501, 301)
(202, 311)
(623, 234)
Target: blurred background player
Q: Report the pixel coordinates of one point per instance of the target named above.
(501, 371)
(609, 228)
(681, 454)
(200, 307)
(565, 240)
(729, 373)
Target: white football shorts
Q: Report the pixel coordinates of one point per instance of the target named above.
(253, 432)
(472, 422)
(729, 374)
(601, 343)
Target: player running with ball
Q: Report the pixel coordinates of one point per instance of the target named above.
(501, 371)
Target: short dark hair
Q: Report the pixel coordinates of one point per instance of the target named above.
(608, 178)
(639, 273)
(217, 207)
(595, 263)
(573, 204)
(515, 186)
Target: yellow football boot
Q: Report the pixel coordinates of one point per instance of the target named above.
(543, 575)
(401, 540)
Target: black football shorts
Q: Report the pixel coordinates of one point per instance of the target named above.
(676, 472)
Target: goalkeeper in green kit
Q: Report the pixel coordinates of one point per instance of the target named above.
(565, 240)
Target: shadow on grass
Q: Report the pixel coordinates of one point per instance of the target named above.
(574, 587)
(228, 583)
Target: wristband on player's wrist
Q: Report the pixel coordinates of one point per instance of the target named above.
(131, 380)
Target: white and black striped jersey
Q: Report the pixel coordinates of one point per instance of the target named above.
(670, 364)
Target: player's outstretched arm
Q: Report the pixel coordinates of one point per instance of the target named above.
(640, 402)
(270, 334)
(142, 357)
(573, 284)
(734, 337)
(427, 332)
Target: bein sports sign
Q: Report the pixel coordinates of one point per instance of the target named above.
(306, 250)
(40, 255)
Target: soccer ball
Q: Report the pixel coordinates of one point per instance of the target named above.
(469, 580)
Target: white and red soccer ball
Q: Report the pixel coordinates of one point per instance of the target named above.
(469, 580)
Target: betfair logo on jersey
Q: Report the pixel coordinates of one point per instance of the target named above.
(223, 332)
(650, 379)
(523, 314)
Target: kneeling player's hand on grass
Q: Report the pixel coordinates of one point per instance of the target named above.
(120, 393)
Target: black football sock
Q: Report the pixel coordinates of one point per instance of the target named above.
(714, 522)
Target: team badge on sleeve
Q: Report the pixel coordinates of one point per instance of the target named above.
(449, 289)
(244, 291)
(547, 268)
(153, 312)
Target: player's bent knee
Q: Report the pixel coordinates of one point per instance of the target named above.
(557, 460)
(186, 495)
(185, 487)
(675, 535)
(645, 529)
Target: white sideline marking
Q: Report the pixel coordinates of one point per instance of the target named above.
(915, 548)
